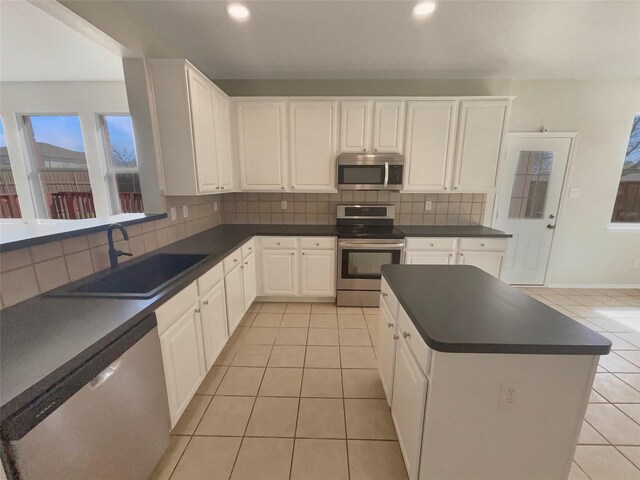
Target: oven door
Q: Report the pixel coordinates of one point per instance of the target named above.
(374, 176)
(359, 262)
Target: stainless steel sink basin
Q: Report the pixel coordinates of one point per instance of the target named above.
(141, 279)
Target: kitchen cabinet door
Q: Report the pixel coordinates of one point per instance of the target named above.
(481, 137)
(183, 359)
(429, 258)
(262, 137)
(490, 262)
(249, 280)
(213, 313)
(204, 134)
(355, 126)
(234, 292)
(223, 142)
(408, 407)
(279, 272)
(313, 145)
(386, 352)
(429, 148)
(318, 273)
(388, 126)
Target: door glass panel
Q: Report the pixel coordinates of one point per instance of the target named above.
(529, 190)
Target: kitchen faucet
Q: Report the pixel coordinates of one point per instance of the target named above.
(113, 253)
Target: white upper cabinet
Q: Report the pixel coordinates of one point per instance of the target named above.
(481, 136)
(193, 129)
(262, 145)
(355, 130)
(388, 126)
(313, 141)
(371, 127)
(430, 145)
(203, 124)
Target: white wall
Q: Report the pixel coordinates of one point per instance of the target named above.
(585, 250)
(87, 99)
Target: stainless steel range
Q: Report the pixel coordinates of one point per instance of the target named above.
(366, 241)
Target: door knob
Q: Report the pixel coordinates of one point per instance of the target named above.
(551, 227)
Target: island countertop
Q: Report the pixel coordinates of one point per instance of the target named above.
(460, 308)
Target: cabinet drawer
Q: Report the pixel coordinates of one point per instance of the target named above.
(232, 260)
(248, 248)
(169, 312)
(440, 243)
(420, 350)
(389, 298)
(209, 279)
(278, 242)
(490, 244)
(324, 243)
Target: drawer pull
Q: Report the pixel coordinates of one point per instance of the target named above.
(250, 248)
(406, 334)
(432, 244)
(197, 310)
(396, 337)
(482, 244)
(246, 263)
(278, 243)
(235, 260)
(206, 302)
(292, 254)
(385, 294)
(317, 244)
(389, 324)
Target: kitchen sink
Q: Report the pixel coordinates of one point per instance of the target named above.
(140, 279)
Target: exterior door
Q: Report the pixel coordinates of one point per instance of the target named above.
(528, 201)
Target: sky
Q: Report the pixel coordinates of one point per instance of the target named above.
(63, 131)
(3, 142)
(120, 132)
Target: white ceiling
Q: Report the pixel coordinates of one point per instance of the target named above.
(380, 39)
(35, 46)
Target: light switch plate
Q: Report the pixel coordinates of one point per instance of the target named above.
(174, 214)
(574, 192)
(428, 205)
(283, 204)
(185, 211)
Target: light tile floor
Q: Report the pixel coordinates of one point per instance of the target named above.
(295, 395)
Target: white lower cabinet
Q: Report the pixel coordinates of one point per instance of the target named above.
(183, 359)
(234, 289)
(429, 258)
(408, 406)
(386, 352)
(318, 273)
(213, 314)
(490, 262)
(249, 280)
(280, 272)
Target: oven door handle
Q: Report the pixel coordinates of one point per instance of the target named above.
(386, 174)
(372, 246)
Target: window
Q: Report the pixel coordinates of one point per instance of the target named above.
(529, 192)
(58, 156)
(627, 206)
(123, 164)
(9, 205)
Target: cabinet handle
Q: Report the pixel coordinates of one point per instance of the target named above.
(206, 302)
(445, 188)
(292, 187)
(455, 188)
(375, 149)
(432, 245)
(246, 263)
(292, 254)
(385, 294)
(217, 188)
(317, 244)
(364, 150)
(282, 188)
(278, 243)
(406, 334)
(303, 253)
(235, 260)
(482, 244)
(197, 310)
(389, 324)
(250, 248)
(396, 337)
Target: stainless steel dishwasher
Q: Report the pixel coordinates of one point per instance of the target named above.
(113, 425)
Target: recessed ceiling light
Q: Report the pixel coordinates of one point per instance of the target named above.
(238, 11)
(424, 9)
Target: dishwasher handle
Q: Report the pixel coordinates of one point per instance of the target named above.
(104, 375)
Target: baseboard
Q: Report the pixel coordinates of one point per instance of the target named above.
(592, 285)
(296, 299)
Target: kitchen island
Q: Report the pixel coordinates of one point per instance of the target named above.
(484, 382)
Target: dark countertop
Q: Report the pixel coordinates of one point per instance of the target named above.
(460, 308)
(44, 339)
(451, 231)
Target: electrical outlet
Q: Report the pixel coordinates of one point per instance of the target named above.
(174, 214)
(574, 192)
(215, 206)
(283, 204)
(636, 263)
(428, 205)
(508, 395)
(185, 211)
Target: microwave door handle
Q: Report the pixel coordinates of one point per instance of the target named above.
(386, 174)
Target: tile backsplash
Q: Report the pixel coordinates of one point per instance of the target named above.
(27, 272)
(320, 208)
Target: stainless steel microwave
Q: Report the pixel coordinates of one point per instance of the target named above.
(370, 172)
